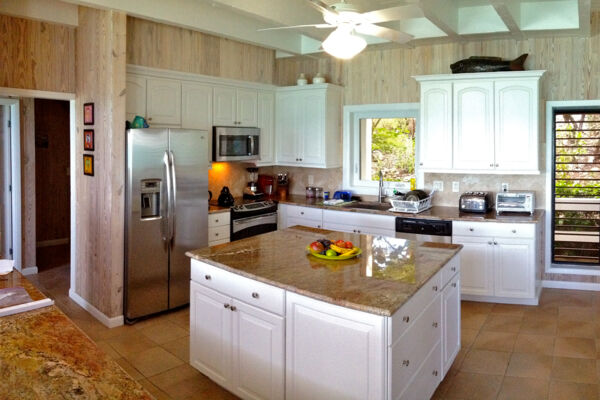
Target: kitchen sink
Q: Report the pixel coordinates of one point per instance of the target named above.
(367, 205)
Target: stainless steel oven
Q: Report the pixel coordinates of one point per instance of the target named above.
(253, 219)
(236, 143)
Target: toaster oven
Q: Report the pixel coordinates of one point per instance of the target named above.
(516, 201)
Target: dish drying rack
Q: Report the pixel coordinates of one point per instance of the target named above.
(412, 207)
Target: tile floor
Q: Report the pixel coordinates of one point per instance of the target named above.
(508, 352)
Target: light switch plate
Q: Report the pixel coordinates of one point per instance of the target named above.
(438, 186)
(504, 187)
(455, 186)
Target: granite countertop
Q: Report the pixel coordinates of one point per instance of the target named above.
(44, 355)
(435, 212)
(379, 281)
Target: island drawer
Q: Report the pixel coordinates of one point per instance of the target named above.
(494, 229)
(248, 290)
(428, 377)
(305, 212)
(450, 269)
(218, 219)
(405, 317)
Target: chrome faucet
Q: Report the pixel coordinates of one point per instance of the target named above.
(380, 197)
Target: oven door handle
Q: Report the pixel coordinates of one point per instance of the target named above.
(244, 223)
(251, 141)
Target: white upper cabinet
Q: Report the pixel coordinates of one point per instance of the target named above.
(436, 125)
(136, 96)
(196, 106)
(235, 107)
(163, 102)
(266, 123)
(308, 127)
(473, 125)
(480, 122)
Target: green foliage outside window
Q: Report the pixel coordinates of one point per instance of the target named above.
(393, 149)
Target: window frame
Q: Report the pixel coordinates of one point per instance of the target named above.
(351, 140)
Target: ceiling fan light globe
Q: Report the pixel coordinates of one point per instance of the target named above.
(343, 45)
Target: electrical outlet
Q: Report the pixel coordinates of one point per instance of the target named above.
(504, 187)
(455, 186)
(438, 186)
(311, 180)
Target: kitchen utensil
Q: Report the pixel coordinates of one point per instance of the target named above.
(310, 192)
(415, 195)
(225, 198)
(342, 194)
(209, 195)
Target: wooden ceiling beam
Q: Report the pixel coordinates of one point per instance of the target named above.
(431, 11)
(584, 8)
(508, 18)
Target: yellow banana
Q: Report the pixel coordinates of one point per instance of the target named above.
(352, 251)
(338, 249)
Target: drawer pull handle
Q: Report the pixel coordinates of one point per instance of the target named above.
(254, 295)
(405, 363)
(453, 269)
(435, 373)
(454, 284)
(233, 308)
(226, 305)
(495, 242)
(514, 231)
(471, 229)
(406, 318)
(207, 277)
(435, 324)
(435, 288)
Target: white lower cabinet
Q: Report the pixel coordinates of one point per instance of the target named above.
(219, 230)
(477, 265)
(354, 222)
(450, 323)
(291, 215)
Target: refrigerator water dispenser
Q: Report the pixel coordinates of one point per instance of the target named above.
(150, 197)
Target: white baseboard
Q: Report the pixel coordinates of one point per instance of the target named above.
(503, 300)
(572, 285)
(99, 315)
(29, 270)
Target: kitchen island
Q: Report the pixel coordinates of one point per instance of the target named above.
(270, 321)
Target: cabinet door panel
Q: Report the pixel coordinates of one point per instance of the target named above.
(224, 106)
(266, 122)
(514, 268)
(476, 265)
(136, 96)
(247, 107)
(196, 106)
(473, 125)
(436, 126)
(312, 140)
(332, 352)
(312, 223)
(211, 333)
(163, 102)
(516, 125)
(451, 323)
(288, 128)
(258, 353)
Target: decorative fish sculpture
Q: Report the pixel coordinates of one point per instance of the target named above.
(488, 64)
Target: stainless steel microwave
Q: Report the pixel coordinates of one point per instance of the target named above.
(236, 143)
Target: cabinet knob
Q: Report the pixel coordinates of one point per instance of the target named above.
(226, 305)
(497, 165)
(216, 220)
(492, 165)
(454, 284)
(318, 226)
(471, 229)
(300, 159)
(406, 318)
(435, 324)
(435, 373)
(453, 269)
(207, 277)
(421, 164)
(301, 212)
(150, 119)
(405, 363)
(435, 288)
(358, 230)
(514, 231)
(490, 242)
(216, 233)
(233, 308)
(354, 230)
(255, 295)
(495, 243)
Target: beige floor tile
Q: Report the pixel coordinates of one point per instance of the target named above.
(572, 391)
(213, 393)
(154, 361)
(163, 332)
(579, 370)
(455, 367)
(476, 307)
(510, 309)
(539, 327)
(467, 337)
(485, 362)
(181, 382)
(130, 369)
(539, 344)
(548, 313)
(131, 343)
(181, 318)
(153, 390)
(472, 321)
(180, 348)
(582, 329)
(498, 341)
(515, 388)
(154, 320)
(470, 386)
(528, 365)
(575, 347)
(571, 313)
(107, 348)
(502, 323)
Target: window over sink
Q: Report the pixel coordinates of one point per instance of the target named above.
(380, 138)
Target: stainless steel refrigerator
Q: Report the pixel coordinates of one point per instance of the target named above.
(166, 214)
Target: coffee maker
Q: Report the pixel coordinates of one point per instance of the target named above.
(251, 191)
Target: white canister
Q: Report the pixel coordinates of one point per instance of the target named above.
(302, 80)
(319, 78)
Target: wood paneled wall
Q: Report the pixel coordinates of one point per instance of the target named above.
(157, 45)
(100, 72)
(36, 55)
(52, 181)
(27, 122)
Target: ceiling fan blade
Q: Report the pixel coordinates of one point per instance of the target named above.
(384, 33)
(393, 14)
(298, 26)
(329, 14)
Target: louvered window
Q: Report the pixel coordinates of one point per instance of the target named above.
(576, 188)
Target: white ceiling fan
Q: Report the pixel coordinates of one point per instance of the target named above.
(346, 19)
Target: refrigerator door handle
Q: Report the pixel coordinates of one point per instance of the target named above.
(167, 220)
(173, 201)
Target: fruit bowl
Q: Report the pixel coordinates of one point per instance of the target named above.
(355, 252)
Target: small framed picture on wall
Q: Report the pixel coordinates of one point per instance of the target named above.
(88, 164)
(88, 139)
(88, 114)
